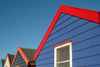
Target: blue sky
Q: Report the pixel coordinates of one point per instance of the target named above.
(24, 22)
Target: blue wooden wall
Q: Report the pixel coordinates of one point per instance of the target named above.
(19, 61)
(85, 46)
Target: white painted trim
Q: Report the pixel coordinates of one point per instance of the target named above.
(61, 46)
(71, 54)
(70, 51)
(63, 61)
(55, 58)
(7, 63)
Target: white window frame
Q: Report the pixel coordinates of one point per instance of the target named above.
(70, 51)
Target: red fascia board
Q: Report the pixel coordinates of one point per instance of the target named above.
(62, 43)
(47, 35)
(8, 59)
(82, 13)
(23, 55)
(14, 58)
(78, 12)
(32, 63)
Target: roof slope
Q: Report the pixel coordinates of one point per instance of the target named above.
(90, 15)
(27, 55)
(11, 57)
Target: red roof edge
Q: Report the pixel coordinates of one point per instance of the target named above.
(62, 43)
(47, 34)
(8, 59)
(22, 54)
(90, 15)
(99, 17)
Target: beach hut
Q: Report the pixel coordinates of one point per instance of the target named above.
(24, 58)
(2, 62)
(8, 60)
(72, 39)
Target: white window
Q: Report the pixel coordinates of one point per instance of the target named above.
(63, 55)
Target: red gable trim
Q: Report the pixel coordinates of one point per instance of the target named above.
(46, 35)
(23, 55)
(8, 59)
(62, 43)
(78, 12)
(82, 13)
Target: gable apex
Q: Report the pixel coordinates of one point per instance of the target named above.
(23, 55)
(8, 59)
(26, 54)
(90, 15)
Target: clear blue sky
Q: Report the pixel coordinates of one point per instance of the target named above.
(24, 22)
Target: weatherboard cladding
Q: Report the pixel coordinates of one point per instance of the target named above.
(8, 60)
(19, 61)
(85, 46)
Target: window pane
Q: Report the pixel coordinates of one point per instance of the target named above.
(66, 64)
(63, 54)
